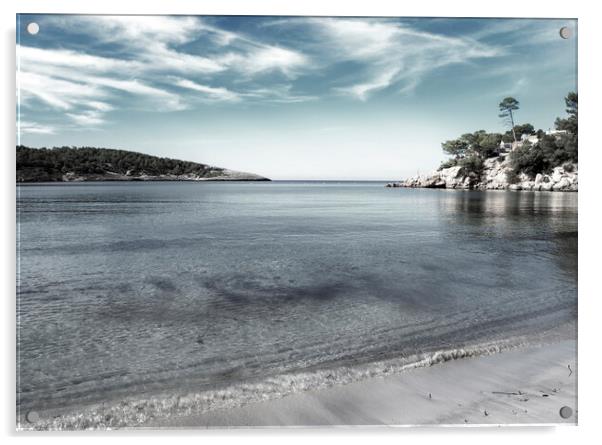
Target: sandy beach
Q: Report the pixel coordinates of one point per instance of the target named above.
(522, 386)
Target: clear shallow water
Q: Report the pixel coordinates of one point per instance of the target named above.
(143, 288)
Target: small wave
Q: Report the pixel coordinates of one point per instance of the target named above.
(131, 412)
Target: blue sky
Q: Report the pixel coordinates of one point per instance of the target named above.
(286, 97)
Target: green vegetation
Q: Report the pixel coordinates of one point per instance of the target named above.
(569, 124)
(471, 149)
(527, 159)
(507, 108)
(50, 164)
(546, 152)
(551, 150)
(519, 130)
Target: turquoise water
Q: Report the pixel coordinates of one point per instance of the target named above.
(143, 288)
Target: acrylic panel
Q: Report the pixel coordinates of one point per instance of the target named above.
(232, 221)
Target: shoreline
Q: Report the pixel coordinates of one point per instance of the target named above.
(496, 174)
(141, 180)
(479, 188)
(526, 385)
(346, 395)
(401, 185)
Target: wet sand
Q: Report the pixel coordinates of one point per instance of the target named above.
(522, 386)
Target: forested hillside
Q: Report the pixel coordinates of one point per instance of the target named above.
(90, 163)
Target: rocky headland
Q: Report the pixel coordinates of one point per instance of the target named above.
(494, 176)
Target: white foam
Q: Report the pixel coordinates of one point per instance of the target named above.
(134, 412)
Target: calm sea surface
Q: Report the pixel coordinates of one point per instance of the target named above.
(134, 288)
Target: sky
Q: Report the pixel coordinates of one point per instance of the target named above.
(286, 97)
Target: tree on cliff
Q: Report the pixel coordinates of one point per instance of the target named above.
(456, 147)
(471, 149)
(487, 144)
(519, 130)
(507, 107)
(551, 150)
(480, 143)
(569, 124)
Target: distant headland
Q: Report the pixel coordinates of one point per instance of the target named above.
(71, 164)
(520, 159)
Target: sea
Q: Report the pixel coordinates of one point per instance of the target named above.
(137, 300)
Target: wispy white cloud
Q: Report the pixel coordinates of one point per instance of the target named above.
(57, 93)
(155, 62)
(32, 57)
(97, 105)
(152, 43)
(148, 55)
(87, 118)
(167, 29)
(522, 41)
(68, 80)
(376, 82)
(28, 127)
(278, 94)
(392, 53)
(211, 93)
(266, 59)
(524, 32)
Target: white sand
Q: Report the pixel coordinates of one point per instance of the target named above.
(520, 386)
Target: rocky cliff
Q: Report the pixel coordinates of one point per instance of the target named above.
(494, 177)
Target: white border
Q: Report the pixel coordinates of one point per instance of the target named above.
(589, 208)
(426, 8)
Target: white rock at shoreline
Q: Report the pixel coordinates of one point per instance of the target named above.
(493, 177)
